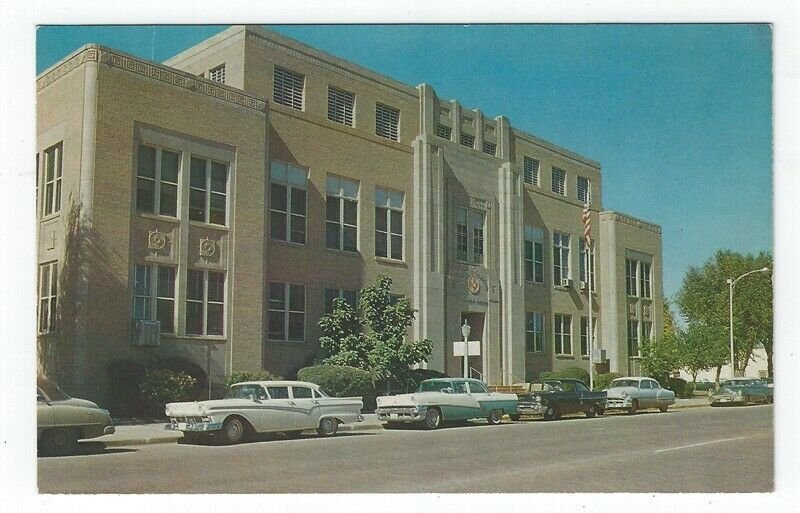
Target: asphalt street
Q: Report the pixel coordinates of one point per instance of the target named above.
(691, 450)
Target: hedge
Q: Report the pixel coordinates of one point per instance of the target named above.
(162, 386)
(259, 375)
(341, 381)
(677, 385)
(569, 372)
(601, 381)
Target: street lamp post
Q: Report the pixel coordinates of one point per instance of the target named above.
(732, 283)
(465, 329)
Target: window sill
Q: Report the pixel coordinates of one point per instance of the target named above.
(158, 217)
(351, 254)
(286, 342)
(535, 353)
(50, 217)
(195, 338)
(535, 283)
(201, 224)
(565, 356)
(391, 261)
(288, 243)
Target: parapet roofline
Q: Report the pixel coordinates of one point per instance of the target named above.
(149, 69)
(633, 221)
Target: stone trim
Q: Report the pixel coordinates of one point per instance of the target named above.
(182, 79)
(632, 221)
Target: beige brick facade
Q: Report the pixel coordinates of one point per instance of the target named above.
(104, 106)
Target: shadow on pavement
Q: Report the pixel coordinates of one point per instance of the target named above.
(91, 449)
(262, 438)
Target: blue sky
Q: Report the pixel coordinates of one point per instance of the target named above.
(679, 116)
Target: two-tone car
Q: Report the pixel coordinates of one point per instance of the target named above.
(552, 398)
(289, 407)
(62, 420)
(741, 391)
(446, 400)
(638, 393)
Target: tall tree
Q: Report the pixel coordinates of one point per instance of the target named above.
(703, 300)
(381, 349)
(670, 327)
(660, 357)
(702, 348)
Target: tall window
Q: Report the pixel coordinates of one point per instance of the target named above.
(155, 299)
(644, 279)
(631, 268)
(389, 224)
(534, 254)
(467, 140)
(584, 190)
(444, 131)
(585, 335)
(217, 74)
(559, 185)
(205, 302)
(340, 106)
(633, 338)
(52, 179)
(48, 296)
(287, 312)
(287, 88)
(534, 332)
(591, 275)
(489, 148)
(287, 206)
(157, 181)
(341, 214)
(208, 187)
(530, 170)
(560, 258)
(469, 235)
(387, 122)
(562, 331)
(647, 331)
(349, 296)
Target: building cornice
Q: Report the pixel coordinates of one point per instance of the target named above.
(159, 72)
(629, 220)
(525, 136)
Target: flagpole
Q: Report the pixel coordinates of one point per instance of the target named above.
(589, 289)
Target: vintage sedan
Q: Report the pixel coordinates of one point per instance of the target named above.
(552, 398)
(741, 391)
(62, 420)
(638, 393)
(289, 407)
(446, 400)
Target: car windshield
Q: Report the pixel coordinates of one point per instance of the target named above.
(619, 383)
(246, 392)
(738, 383)
(51, 390)
(433, 386)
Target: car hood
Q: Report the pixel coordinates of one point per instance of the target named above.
(201, 408)
(74, 401)
(729, 390)
(616, 392)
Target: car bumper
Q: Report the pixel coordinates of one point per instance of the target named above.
(726, 399)
(618, 404)
(530, 409)
(193, 427)
(400, 414)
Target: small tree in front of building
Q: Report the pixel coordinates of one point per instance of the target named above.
(660, 357)
(376, 342)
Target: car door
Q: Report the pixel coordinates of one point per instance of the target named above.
(306, 409)
(458, 404)
(664, 397)
(276, 413)
(583, 394)
(45, 416)
(570, 400)
(647, 396)
(482, 400)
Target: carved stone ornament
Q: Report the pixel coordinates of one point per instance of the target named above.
(646, 312)
(207, 247)
(156, 240)
(632, 308)
(473, 284)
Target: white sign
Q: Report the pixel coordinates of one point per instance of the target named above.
(474, 348)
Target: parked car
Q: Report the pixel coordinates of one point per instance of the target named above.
(290, 407)
(62, 420)
(638, 393)
(741, 391)
(702, 385)
(446, 400)
(553, 398)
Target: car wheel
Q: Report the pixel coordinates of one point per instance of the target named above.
(433, 417)
(663, 409)
(591, 412)
(634, 407)
(59, 442)
(600, 411)
(495, 416)
(515, 417)
(234, 430)
(550, 412)
(328, 427)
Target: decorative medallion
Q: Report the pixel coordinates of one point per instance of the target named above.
(207, 247)
(156, 240)
(646, 312)
(473, 284)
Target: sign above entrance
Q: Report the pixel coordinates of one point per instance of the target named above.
(474, 348)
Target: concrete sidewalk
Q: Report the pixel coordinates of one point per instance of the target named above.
(143, 434)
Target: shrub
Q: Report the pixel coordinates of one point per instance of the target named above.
(341, 381)
(677, 385)
(601, 381)
(162, 386)
(569, 372)
(259, 375)
(182, 365)
(690, 390)
(126, 398)
(417, 376)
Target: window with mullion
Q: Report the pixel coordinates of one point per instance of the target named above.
(534, 255)
(350, 297)
(389, 224)
(341, 105)
(477, 221)
(584, 190)
(470, 235)
(562, 331)
(48, 296)
(288, 88)
(633, 338)
(286, 315)
(341, 214)
(288, 199)
(560, 258)
(534, 332)
(52, 179)
(154, 299)
(462, 232)
(157, 173)
(205, 302)
(387, 122)
(644, 279)
(559, 184)
(208, 182)
(631, 274)
(585, 336)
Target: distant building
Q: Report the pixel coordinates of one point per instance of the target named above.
(213, 206)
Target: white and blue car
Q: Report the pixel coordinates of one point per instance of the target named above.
(446, 400)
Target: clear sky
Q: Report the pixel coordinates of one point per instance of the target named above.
(679, 116)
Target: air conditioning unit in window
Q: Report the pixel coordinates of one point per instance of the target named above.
(146, 333)
(584, 285)
(566, 282)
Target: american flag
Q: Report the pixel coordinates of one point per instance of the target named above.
(587, 224)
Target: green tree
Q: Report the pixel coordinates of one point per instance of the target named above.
(703, 300)
(670, 326)
(661, 357)
(702, 348)
(381, 348)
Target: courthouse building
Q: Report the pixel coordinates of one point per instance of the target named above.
(212, 207)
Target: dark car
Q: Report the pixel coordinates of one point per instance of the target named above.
(552, 398)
